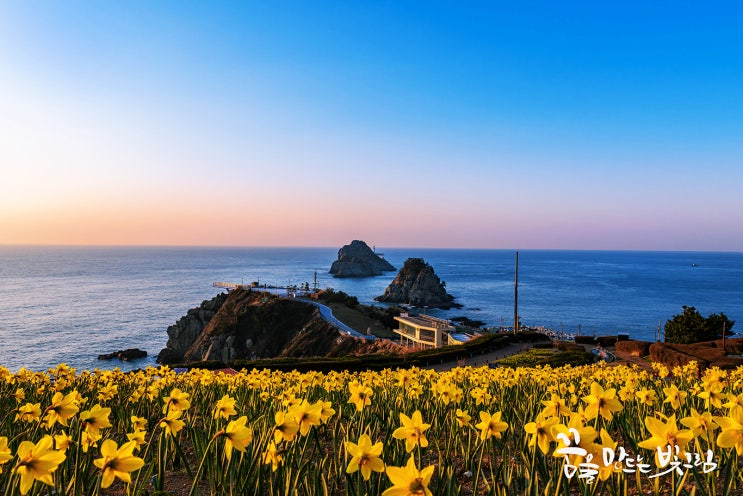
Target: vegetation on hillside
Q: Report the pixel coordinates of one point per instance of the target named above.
(691, 327)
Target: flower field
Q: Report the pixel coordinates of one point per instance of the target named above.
(573, 430)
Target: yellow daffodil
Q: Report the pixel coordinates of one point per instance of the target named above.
(665, 434)
(19, 395)
(412, 430)
(62, 409)
(37, 462)
(273, 456)
(326, 410)
(306, 415)
(491, 425)
(602, 402)
(734, 402)
(605, 471)
(646, 396)
(365, 456)
(360, 395)
(286, 427)
(29, 412)
(674, 396)
(573, 438)
(555, 407)
(481, 396)
(62, 441)
(731, 435)
(237, 436)
(138, 436)
(96, 419)
(117, 462)
(5, 453)
(89, 439)
(701, 425)
(108, 392)
(408, 480)
(172, 423)
(540, 431)
(225, 407)
(712, 395)
(139, 423)
(463, 418)
(177, 400)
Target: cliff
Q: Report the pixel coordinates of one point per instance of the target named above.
(251, 325)
(184, 332)
(417, 284)
(358, 260)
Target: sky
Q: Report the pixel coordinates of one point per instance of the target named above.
(545, 125)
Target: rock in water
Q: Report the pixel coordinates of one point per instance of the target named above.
(358, 260)
(125, 355)
(418, 285)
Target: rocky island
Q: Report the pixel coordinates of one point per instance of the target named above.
(418, 285)
(358, 260)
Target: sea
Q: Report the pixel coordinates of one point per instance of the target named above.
(71, 304)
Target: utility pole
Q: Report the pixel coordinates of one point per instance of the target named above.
(516, 297)
(657, 339)
(723, 337)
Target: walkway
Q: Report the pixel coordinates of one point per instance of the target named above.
(327, 315)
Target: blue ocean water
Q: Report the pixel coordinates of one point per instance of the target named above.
(70, 304)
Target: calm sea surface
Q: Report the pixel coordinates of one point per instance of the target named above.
(61, 304)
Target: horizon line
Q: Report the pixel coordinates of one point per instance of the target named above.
(334, 247)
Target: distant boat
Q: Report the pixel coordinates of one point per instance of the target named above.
(693, 265)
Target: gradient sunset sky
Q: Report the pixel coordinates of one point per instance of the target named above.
(568, 125)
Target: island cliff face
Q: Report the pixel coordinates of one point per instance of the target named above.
(251, 325)
(184, 332)
(358, 260)
(418, 285)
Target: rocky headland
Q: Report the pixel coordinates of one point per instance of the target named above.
(184, 332)
(358, 260)
(418, 285)
(249, 325)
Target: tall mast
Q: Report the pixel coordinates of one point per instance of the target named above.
(516, 297)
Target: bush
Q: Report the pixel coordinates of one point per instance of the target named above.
(585, 339)
(573, 358)
(568, 346)
(634, 348)
(606, 341)
(690, 327)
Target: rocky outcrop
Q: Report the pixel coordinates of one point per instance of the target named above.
(418, 285)
(125, 355)
(249, 325)
(358, 260)
(182, 335)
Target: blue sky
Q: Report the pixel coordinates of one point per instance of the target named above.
(487, 125)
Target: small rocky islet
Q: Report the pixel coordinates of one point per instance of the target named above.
(358, 260)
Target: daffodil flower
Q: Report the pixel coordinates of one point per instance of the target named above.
(37, 462)
(411, 431)
(365, 456)
(117, 462)
(237, 436)
(491, 425)
(408, 480)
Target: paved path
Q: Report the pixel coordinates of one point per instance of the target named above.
(327, 315)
